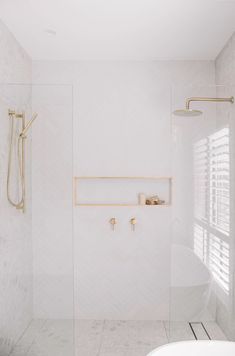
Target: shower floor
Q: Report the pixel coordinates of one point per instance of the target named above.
(107, 338)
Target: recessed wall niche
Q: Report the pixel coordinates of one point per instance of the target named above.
(121, 191)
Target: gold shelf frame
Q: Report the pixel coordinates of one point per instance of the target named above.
(77, 178)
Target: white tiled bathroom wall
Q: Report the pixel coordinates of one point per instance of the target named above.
(122, 126)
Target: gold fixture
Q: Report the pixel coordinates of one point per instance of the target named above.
(76, 179)
(15, 114)
(20, 204)
(191, 112)
(113, 222)
(154, 200)
(27, 126)
(218, 100)
(133, 222)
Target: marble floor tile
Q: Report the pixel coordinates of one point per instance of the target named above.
(88, 337)
(133, 334)
(214, 330)
(30, 334)
(125, 352)
(87, 351)
(103, 338)
(46, 338)
(178, 331)
(55, 339)
(20, 350)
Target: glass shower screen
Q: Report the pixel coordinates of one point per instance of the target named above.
(202, 250)
(36, 299)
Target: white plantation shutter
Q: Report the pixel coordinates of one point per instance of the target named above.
(212, 204)
(219, 260)
(200, 242)
(219, 180)
(201, 179)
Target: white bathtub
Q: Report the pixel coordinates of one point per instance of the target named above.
(195, 348)
(190, 285)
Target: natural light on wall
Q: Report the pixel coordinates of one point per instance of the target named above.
(212, 204)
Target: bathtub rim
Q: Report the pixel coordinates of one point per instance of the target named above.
(152, 353)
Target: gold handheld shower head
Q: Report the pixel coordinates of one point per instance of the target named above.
(28, 125)
(19, 203)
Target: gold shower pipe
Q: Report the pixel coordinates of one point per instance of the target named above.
(208, 99)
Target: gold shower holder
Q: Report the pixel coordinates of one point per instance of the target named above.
(15, 114)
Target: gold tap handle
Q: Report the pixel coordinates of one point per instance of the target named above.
(133, 222)
(113, 222)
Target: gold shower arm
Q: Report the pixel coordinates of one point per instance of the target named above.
(189, 100)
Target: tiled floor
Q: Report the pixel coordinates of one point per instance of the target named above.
(107, 338)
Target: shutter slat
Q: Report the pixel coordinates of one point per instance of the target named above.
(212, 204)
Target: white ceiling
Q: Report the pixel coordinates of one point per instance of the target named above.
(120, 29)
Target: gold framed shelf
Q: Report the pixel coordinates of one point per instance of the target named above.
(81, 203)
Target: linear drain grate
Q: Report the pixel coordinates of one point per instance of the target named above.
(199, 331)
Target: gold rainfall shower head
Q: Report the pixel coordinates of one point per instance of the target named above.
(187, 112)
